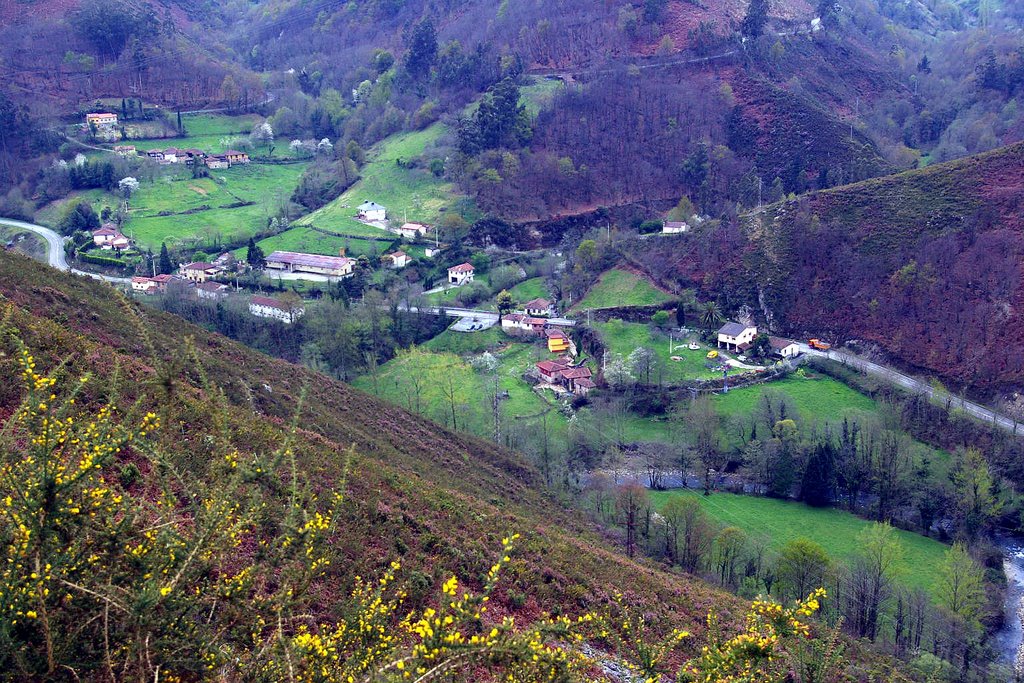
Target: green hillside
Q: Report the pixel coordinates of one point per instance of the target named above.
(438, 500)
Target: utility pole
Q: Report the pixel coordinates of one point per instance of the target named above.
(497, 413)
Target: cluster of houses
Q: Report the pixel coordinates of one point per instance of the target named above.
(740, 338)
(173, 155)
(560, 372)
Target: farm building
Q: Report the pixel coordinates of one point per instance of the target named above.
(571, 377)
(371, 211)
(461, 274)
(736, 336)
(787, 348)
(294, 262)
(265, 307)
(217, 161)
(675, 227)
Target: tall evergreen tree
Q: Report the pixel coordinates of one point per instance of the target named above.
(422, 50)
(756, 18)
(254, 256)
(165, 266)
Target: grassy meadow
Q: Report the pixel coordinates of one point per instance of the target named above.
(836, 531)
(616, 288)
(415, 194)
(623, 338)
(527, 290)
(262, 188)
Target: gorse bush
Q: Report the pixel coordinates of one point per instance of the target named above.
(155, 575)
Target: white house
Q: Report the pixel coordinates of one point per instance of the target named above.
(371, 211)
(144, 285)
(109, 237)
(538, 308)
(413, 230)
(211, 290)
(399, 259)
(736, 336)
(265, 307)
(461, 274)
(431, 252)
(786, 348)
(675, 227)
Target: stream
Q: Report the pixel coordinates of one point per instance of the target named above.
(1009, 641)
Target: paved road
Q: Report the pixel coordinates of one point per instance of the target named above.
(898, 378)
(55, 250)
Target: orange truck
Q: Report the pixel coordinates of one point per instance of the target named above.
(818, 344)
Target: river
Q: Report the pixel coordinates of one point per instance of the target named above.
(1009, 641)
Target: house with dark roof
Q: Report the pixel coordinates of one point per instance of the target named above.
(736, 336)
(786, 348)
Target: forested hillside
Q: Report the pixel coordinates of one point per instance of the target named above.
(926, 264)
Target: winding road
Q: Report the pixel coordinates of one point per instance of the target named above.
(55, 255)
(975, 410)
(57, 258)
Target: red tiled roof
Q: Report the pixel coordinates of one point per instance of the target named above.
(163, 278)
(585, 382)
(577, 373)
(554, 333)
(235, 153)
(535, 321)
(538, 303)
(515, 317)
(778, 343)
(549, 367)
(199, 265)
(141, 279)
(211, 286)
(462, 268)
